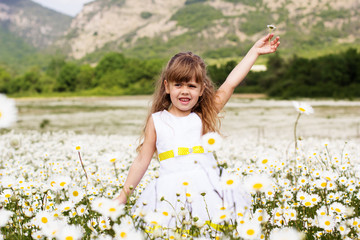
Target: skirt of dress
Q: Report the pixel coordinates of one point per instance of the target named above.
(191, 186)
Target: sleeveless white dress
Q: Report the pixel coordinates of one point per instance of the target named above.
(189, 185)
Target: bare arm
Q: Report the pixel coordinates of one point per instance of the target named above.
(141, 162)
(262, 46)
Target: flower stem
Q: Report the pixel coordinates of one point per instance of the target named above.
(296, 147)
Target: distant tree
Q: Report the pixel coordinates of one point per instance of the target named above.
(5, 78)
(110, 62)
(67, 79)
(55, 65)
(85, 77)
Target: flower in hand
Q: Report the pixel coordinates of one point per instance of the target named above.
(265, 45)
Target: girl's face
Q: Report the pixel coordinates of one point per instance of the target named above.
(183, 96)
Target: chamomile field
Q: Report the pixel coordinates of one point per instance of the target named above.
(65, 159)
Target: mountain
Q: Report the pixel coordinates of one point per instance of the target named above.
(36, 25)
(214, 28)
(159, 28)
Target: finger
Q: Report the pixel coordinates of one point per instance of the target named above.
(275, 40)
(269, 36)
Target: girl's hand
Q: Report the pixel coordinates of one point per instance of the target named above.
(265, 46)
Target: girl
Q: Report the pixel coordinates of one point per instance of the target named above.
(184, 108)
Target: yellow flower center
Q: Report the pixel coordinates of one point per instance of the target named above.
(302, 110)
(314, 199)
(0, 114)
(257, 186)
(78, 148)
(185, 183)
(165, 213)
(229, 182)
(260, 218)
(342, 228)
(338, 210)
(75, 193)
(323, 184)
(327, 223)
(308, 204)
(264, 161)
(223, 216)
(211, 141)
(250, 232)
(112, 209)
(69, 238)
(123, 234)
(44, 220)
(113, 160)
(7, 195)
(62, 184)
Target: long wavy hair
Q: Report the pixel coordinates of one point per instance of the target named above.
(182, 67)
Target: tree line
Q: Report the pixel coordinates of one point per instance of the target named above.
(334, 76)
(331, 76)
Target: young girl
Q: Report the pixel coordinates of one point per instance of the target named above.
(184, 108)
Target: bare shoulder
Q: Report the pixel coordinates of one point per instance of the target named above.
(150, 133)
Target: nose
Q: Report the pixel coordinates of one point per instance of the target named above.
(184, 90)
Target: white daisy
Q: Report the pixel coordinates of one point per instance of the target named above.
(229, 181)
(43, 219)
(5, 217)
(66, 206)
(258, 183)
(271, 27)
(211, 141)
(327, 222)
(8, 111)
(249, 230)
(221, 215)
(108, 208)
(261, 215)
(343, 229)
(302, 107)
(123, 231)
(76, 194)
(70, 232)
(285, 234)
(81, 210)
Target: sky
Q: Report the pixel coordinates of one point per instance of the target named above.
(69, 7)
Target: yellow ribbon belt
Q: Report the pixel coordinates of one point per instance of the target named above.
(180, 151)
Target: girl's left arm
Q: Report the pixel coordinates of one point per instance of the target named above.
(262, 46)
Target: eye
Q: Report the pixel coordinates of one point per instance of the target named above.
(177, 84)
(192, 86)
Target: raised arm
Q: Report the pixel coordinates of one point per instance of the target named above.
(141, 162)
(262, 46)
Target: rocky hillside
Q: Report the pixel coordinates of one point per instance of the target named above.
(216, 28)
(158, 28)
(36, 25)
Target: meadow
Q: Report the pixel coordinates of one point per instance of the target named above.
(66, 158)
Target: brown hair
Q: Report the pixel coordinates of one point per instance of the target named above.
(182, 68)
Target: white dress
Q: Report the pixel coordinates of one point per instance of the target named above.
(188, 185)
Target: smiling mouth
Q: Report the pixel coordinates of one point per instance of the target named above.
(184, 100)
